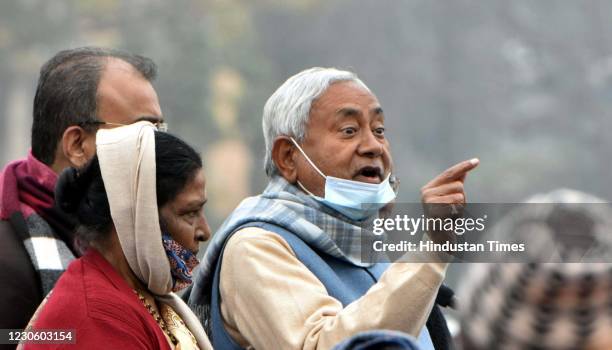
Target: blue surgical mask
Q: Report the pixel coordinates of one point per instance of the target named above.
(354, 199)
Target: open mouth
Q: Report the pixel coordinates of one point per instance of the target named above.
(370, 174)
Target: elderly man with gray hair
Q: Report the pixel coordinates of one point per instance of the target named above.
(284, 271)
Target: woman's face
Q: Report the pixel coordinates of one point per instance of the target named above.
(183, 217)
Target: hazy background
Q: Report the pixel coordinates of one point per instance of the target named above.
(526, 86)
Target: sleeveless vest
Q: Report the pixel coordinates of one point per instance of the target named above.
(342, 280)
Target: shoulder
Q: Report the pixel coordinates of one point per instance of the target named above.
(9, 237)
(254, 256)
(13, 255)
(20, 293)
(255, 239)
(6, 228)
(89, 294)
(101, 315)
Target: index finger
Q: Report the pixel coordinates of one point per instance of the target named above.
(456, 172)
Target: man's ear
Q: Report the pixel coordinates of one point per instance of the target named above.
(78, 145)
(283, 155)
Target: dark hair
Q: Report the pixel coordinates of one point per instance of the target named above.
(67, 90)
(81, 192)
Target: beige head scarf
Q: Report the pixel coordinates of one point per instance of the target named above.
(127, 162)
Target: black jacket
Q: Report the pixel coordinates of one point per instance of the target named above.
(20, 290)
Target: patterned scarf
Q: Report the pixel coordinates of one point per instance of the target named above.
(182, 262)
(27, 200)
(285, 205)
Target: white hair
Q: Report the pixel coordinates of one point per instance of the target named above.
(286, 112)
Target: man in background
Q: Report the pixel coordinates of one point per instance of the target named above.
(79, 91)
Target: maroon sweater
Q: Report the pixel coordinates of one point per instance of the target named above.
(93, 299)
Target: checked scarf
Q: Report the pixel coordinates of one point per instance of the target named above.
(27, 200)
(284, 205)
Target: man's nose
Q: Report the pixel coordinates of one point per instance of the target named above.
(370, 145)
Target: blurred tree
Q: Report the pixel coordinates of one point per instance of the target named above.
(524, 85)
(28, 31)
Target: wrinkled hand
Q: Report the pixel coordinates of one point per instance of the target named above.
(444, 196)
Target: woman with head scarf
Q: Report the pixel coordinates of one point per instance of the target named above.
(139, 205)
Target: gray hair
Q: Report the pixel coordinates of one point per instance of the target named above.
(286, 112)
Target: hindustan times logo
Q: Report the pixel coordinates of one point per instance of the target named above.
(412, 225)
